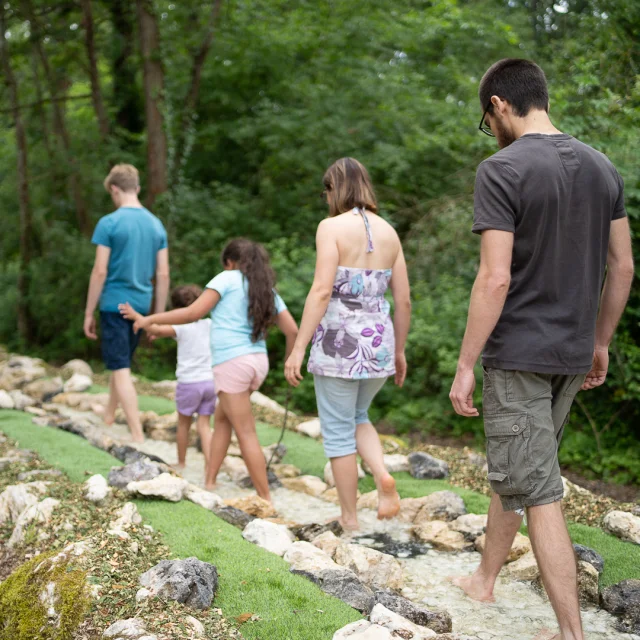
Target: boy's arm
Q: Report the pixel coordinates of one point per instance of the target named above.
(162, 280)
(96, 284)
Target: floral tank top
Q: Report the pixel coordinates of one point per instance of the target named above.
(355, 338)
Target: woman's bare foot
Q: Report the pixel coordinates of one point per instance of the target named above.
(474, 588)
(388, 498)
(349, 526)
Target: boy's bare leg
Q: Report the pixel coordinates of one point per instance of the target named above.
(108, 412)
(128, 398)
(557, 562)
(237, 407)
(345, 472)
(203, 425)
(502, 527)
(218, 447)
(370, 450)
(182, 439)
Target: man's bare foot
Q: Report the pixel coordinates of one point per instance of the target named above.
(388, 498)
(474, 588)
(545, 634)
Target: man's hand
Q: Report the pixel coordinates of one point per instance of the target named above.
(462, 393)
(90, 327)
(598, 373)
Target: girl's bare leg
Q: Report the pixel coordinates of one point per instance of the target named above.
(182, 439)
(237, 407)
(203, 425)
(218, 446)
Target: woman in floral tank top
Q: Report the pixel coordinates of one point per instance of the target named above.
(355, 344)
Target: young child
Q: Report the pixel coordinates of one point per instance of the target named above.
(243, 305)
(195, 393)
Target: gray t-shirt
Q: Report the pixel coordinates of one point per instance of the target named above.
(558, 197)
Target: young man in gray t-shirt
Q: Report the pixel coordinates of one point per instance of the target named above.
(550, 211)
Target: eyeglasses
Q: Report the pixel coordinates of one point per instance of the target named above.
(485, 127)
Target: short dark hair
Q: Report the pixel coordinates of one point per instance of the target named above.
(521, 83)
(185, 295)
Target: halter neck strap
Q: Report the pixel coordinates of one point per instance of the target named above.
(362, 212)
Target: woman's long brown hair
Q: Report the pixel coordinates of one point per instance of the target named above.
(253, 260)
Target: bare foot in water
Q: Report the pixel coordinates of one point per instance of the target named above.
(474, 588)
(388, 498)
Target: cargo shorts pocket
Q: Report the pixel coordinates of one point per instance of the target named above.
(508, 453)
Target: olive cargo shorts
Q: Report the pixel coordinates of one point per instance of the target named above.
(524, 419)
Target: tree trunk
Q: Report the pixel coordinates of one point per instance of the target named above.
(191, 101)
(126, 97)
(24, 317)
(59, 124)
(96, 94)
(153, 74)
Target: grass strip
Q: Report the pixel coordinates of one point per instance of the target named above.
(162, 406)
(252, 580)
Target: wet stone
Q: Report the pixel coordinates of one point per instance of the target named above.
(589, 555)
(136, 471)
(386, 544)
(438, 621)
(236, 517)
(308, 532)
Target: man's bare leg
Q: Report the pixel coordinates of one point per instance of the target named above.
(182, 439)
(126, 394)
(556, 560)
(502, 527)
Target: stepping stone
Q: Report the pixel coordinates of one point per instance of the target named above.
(438, 621)
(589, 555)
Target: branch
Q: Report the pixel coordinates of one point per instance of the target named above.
(39, 103)
(591, 421)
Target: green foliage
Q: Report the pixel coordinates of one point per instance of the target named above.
(286, 89)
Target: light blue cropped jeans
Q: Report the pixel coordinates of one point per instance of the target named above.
(342, 405)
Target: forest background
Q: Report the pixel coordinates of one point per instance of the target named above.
(233, 109)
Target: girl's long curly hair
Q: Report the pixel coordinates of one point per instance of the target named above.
(253, 261)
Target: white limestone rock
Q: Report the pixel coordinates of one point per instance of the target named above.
(328, 542)
(163, 486)
(624, 525)
(268, 535)
(470, 525)
(76, 366)
(40, 512)
(96, 488)
(374, 568)
(440, 536)
(6, 401)
(205, 499)
(310, 428)
(311, 485)
(398, 626)
(394, 462)
(17, 497)
(77, 383)
(21, 400)
(363, 630)
(304, 556)
(132, 629)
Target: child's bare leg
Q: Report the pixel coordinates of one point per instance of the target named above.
(182, 439)
(219, 445)
(108, 413)
(125, 391)
(238, 407)
(203, 425)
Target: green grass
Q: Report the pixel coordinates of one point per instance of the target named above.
(161, 406)
(252, 580)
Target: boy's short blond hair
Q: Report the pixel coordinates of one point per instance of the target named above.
(123, 176)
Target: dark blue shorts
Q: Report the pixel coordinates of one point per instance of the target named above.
(118, 340)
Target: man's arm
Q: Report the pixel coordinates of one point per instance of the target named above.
(162, 280)
(615, 294)
(487, 301)
(96, 284)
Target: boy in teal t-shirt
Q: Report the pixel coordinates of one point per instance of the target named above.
(131, 249)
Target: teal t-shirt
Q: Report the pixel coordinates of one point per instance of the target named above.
(230, 328)
(134, 236)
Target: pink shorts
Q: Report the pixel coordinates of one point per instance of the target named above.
(244, 373)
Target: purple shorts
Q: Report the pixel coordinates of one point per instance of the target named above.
(196, 397)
